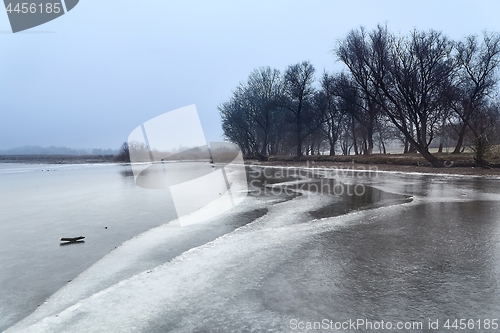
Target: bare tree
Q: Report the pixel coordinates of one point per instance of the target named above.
(237, 123)
(347, 139)
(362, 110)
(123, 153)
(385, 132)
(265, 91)
(327, 99)
(253, 116)
(476, 80)
(300, 92)
(484, 128)
(405, 76)
(356, 51)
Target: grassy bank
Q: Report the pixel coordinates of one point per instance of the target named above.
(451, 160)
(455, 163)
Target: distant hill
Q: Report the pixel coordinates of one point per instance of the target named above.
(52, 150)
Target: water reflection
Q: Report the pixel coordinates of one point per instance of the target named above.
(343, 197)
(356, 197)
(127, 172)
(436, 260)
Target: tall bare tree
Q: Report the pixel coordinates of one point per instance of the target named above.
(361, 108)
(327, 99)
(265, 89)
(299, 79)
(476, 80)
(253, 116)
(237, 123)
(484, 130)
(406, 77)
(357, 52)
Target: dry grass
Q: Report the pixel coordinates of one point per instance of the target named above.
(463, 160)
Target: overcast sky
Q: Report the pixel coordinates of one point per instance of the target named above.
(88, 78)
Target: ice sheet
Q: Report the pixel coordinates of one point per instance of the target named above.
(193, 287)
(213, 285)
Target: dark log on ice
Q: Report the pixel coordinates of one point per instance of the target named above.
(72, 239)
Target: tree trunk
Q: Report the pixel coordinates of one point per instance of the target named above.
(431, 159)
(365, 148)
(299, 146)
(460, 140)
(412, 148)
(332, 149)
(370, 140)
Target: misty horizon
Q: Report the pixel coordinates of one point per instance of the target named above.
(57, 150)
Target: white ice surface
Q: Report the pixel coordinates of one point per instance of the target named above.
(210, 283)
(196, 285)
(116, 273)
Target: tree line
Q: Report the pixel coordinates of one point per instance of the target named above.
(422, 89)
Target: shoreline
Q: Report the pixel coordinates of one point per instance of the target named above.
(390, 165)
(386, 168)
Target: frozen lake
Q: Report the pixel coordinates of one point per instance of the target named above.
(375, 247)
(41, 203)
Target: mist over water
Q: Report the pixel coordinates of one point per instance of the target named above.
(408, 248)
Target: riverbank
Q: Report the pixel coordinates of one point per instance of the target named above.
(469, 171)
(462, 164)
